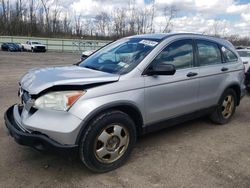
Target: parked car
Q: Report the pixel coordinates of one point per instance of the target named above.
(132, 86)
(33, 46)
(247, 80)
(245, 56)
(239, 47)
(10, 46)
(19, 45)
(86, 54)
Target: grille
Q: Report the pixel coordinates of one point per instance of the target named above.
(40, 47)
(27, 101)
(25, 96)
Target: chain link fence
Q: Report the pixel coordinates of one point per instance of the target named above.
(59, 45)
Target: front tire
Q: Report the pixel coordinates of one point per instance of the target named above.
(226, 108)
(108, 141)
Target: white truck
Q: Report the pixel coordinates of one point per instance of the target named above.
(33, 46)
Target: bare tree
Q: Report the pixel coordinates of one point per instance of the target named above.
(119, 23)
(144, 20)
(46, 8)
(4, 16)
(152, 17)
(219, 28)
(170, 12)
(102, 21)
(89, 27)
(78, 25)
(55, 18)
(66, 25)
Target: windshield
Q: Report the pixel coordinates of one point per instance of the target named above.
(244, 53)
(121, 56)
(36, 43)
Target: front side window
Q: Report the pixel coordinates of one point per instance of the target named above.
(228, 55)
(208, 53)
(36, 43)
(121, 56)
(179, 54)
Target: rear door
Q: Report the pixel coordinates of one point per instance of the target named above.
(212, 72)
(168, 96)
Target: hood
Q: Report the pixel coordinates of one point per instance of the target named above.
(37, 80)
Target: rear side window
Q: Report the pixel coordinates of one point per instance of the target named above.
(228, 55)
(208, 53)
(179, 54)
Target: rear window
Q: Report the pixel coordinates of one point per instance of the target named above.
(208, 53)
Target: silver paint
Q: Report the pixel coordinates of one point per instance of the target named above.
(156, 97)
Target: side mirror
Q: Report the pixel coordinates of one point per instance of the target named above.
(161, 69)
(245, 62)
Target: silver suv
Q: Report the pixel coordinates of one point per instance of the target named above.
(130, 87)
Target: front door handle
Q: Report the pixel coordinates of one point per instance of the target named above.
(191, 74)
(224, 69)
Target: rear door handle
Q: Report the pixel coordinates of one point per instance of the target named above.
(224, 69)
(191, 74)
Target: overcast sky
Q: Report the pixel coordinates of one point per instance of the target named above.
(193, 16)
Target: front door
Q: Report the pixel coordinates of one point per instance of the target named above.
(168, 96)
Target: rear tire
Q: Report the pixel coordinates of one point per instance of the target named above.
(226, 107)
(108, 141)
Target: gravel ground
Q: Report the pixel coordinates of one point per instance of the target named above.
(193, 154)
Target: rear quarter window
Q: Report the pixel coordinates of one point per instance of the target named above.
(229, 56)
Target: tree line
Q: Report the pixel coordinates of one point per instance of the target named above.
(47, 18)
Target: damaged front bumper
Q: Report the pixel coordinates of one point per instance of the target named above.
(34, 139)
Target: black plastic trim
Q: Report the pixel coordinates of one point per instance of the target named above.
(155, 126)
(36, 140)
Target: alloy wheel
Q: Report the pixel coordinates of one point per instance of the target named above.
(228, 106)
(112, 143)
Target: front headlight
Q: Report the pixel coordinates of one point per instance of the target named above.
(61, 100)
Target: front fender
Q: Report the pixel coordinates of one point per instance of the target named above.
(83, 109)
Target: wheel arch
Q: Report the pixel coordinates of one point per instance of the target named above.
(126, 107)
